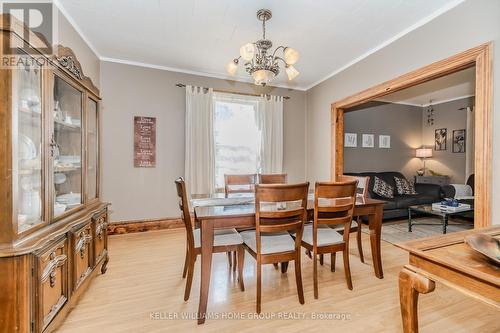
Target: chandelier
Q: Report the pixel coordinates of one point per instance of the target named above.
(260, 61)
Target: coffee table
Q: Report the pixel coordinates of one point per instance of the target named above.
(427, 209)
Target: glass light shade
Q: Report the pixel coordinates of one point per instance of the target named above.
(262, 77)
(291, 56)
(292, 72)
(231, 67)
(247, 51)
(423, 152)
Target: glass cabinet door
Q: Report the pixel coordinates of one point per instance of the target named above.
(27, 138)
(66, 147)
(93, 149)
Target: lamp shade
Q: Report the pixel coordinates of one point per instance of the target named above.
(262, 77)
(247, 51)
(292, 72)
(232, 67)
(423, 152)
(291, 56)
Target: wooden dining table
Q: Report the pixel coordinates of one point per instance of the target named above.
(214, 211)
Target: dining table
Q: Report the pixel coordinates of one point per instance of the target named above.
(215, 211)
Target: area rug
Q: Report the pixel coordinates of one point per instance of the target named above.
(397, 231)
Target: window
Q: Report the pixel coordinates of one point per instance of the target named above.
(236, 136)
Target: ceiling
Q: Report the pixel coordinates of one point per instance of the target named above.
(200, 37)
(447, 88)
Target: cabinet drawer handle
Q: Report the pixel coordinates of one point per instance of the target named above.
(81, 245)
(50, 272)
(100, 227)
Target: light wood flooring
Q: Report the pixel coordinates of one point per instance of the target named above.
(144, 278)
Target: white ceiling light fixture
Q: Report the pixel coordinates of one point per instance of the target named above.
(260, 62)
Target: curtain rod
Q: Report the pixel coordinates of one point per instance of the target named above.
(182, 85)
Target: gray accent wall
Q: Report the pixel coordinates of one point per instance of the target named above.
(402, 122)
(408, 128)
(447, 115)
(128, 91)
(468, 25)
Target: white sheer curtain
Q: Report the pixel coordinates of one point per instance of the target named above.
(199, 157)
(270, 122)
(469, 143)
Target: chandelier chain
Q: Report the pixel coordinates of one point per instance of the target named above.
(264, 28)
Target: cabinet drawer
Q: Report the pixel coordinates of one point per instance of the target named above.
(82, 255)
(52, 281)
(100, 226)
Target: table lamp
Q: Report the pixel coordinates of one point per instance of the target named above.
(423, 153)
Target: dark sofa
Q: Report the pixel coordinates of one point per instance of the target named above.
(398, 206)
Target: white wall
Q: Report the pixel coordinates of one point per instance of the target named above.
(128, 91)
(467, 25)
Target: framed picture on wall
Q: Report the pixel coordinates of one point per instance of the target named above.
(459, 141)
(384, 141)
(440, 139)
(350, 140)
(368, 140)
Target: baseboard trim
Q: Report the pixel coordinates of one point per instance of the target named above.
(127, 227)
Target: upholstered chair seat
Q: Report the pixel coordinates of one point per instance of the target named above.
(223, 237)
(269, 243)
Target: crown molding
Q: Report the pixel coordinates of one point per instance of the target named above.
(391, 40)
(427, 104)
(185, 71)
(400, 103)
(447, 100)
(75, 26)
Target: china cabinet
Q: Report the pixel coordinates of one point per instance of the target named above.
(53, 225)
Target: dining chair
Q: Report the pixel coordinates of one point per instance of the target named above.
(273, 178)
(333, 206)
(357, 223)
(279, 210)
(225, 240)
(237, 184)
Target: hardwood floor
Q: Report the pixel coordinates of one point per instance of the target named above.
(144, 279)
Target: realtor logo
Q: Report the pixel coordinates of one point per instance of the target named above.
(39, 18)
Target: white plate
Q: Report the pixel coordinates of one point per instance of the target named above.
(59, 178)
(69, 198)
(27, 149)
(74, 159)
(76, 122)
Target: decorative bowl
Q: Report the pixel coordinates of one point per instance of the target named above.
(486, 245)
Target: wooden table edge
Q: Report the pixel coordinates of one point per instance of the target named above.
(438, 279)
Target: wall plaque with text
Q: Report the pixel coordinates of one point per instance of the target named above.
(144, 142)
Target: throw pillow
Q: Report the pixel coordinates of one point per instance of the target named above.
(404, 187)
(383, 189)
